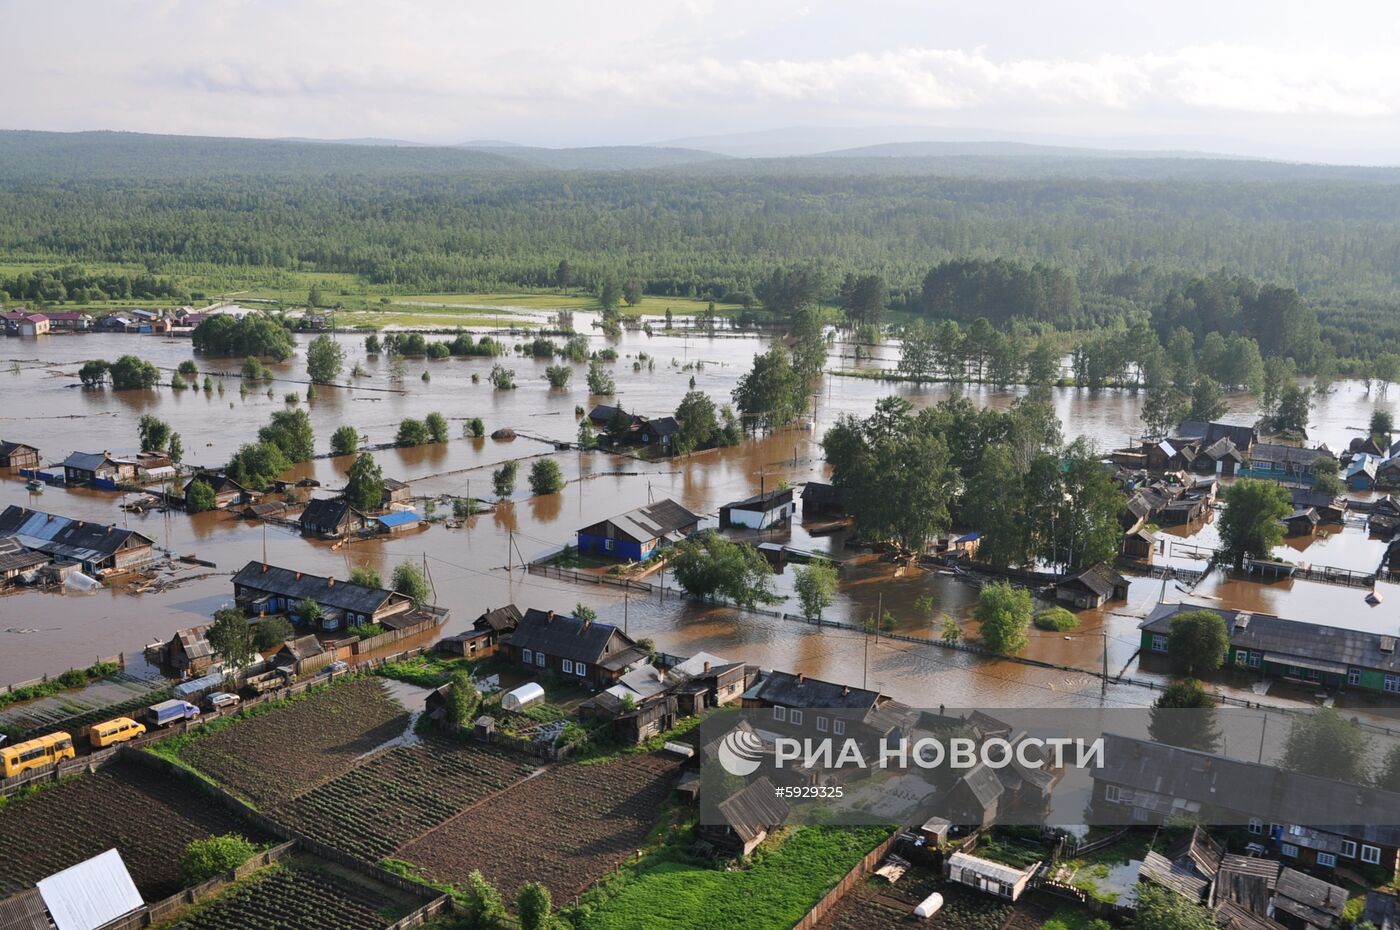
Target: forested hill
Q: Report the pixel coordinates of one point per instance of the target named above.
(422, 219)
(129, 155)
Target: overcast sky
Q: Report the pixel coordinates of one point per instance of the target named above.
(1288, 79)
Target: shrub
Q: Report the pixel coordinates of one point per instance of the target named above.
(546, 477)
(204, 859)
(1056, 620)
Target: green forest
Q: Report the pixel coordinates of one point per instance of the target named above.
(1048, 243)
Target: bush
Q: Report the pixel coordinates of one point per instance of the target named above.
(345, 440)
(204, 859)
(437, 426)
(413, 433)
(546, 477)
(272, 631)
(1056, 620)
(201, 497)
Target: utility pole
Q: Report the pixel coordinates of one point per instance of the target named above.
(510, 544)
(626, 592)
(1103, 691)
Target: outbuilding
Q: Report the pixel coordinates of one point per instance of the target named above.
(527, 695)
(994, 878)
(1092, 587)
(770, 508)
(18, 455)
(637, 534)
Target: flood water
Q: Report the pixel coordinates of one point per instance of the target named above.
(47, 633)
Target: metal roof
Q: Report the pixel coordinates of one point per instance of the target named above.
(566, 637)
(91, 893)
(1292, 642)
(298, 586)
(791, 690)
(762, 502)
(65, 537)
(88, 461)
(980, 866)
(652, 521)
(398, 518)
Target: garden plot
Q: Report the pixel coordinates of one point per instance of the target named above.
(284, 751)
(147, 816)
(567, 827)
(300, 893)
(397, 795)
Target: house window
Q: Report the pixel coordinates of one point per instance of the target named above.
(1254, 659)
(1353, 676)
(1310, 674)
(1349, 849)
(1159, 642)
(779, 712)
(527, 656)
(795, 718)
(609, 545)
(838, 727)
(539, 659)
(823, 724)
(568, 667)
(1111, 794)
(1288, 849)
(1392, 683)
(1256, 826)
(580, 669)
(1140, 814)
(1326, 859)
(1371, 855)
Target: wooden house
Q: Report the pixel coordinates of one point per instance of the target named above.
(17, 455)
(634, 721)
(16, 561)
(227, 492)
(1329, 509)
(1361, 473)
(744, 820)
(396, 492)
(822, 500)
(597, 653)
(771, 508)
(973, 799)
(1242, 437)
(637, 534)
(260, 588)
(303, 654)
(98, 548)
(1301, 522)
(1302, 902)
(1303, 819)
(189, 652)
(660, 433)
(485, 635)
(1139, 545)
(1093, 587)
(97, 468)
(332, 516)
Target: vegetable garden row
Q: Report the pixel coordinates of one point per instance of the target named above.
(294, 895)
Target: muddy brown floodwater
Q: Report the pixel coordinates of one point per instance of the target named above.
(43, 405)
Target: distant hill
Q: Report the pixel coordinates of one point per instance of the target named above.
(940, 149)
(130, 154)
(603, 158)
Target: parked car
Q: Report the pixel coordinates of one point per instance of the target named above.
(168, 712)
(335, 668)
(221, 700)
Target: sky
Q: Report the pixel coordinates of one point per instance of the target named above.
(1294, 80)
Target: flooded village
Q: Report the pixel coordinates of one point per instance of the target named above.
(573, 630)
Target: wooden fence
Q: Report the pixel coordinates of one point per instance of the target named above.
(165, 909)
(569, 574)
(361, 646)
(852, 878)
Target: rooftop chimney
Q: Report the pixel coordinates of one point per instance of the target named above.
(707, 668)
(801, 678)
(845, 691)
(549, 617)
(298, 576)
(264, 568)
(330, 582)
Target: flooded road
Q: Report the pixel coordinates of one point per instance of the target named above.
(468, 565)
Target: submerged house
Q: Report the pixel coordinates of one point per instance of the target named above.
(93, 467)
(637, 534)
(227, 492)
(1092, 587)
(823, 500)
(261, 588)
(1271, 460)
(660, 432)
(1292, 650)
(1301, 522)
(18, 455)
(771, 508)
(332, 516)
(99, 548)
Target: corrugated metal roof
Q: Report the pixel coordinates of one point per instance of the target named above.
(24, 911)
(91, 893)
(298, 586)
(652, 521)
(567, 637)
(65, 537)
(87, 461)
(398, 518)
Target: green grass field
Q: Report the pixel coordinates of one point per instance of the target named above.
(775, 890)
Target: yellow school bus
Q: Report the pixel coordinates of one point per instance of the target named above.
(116, 730)
(21, 757)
